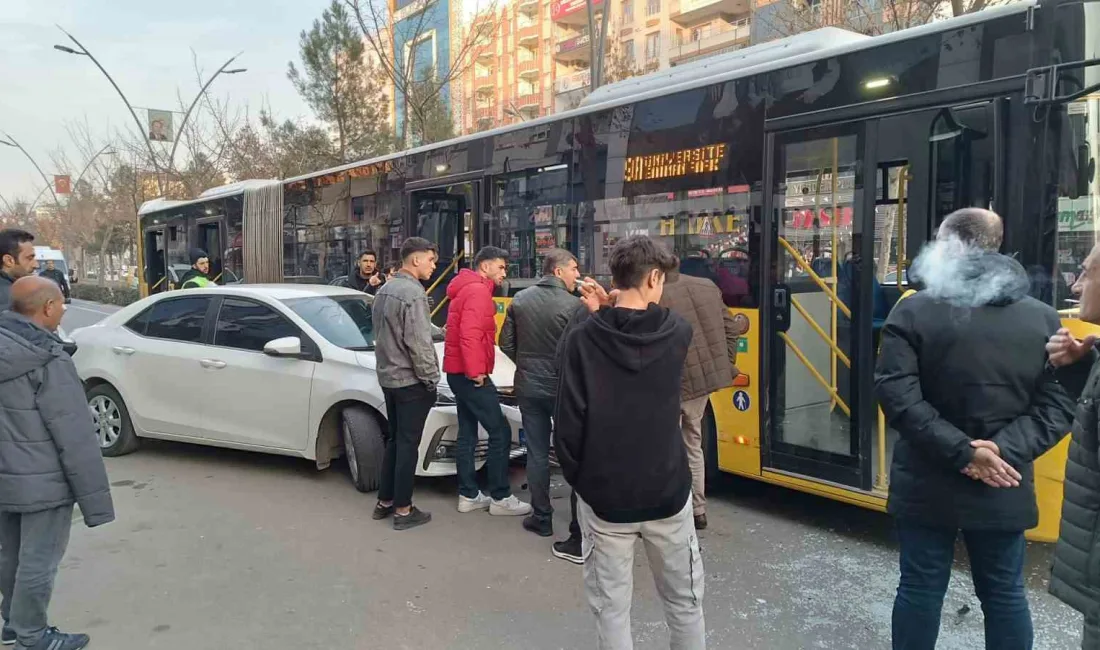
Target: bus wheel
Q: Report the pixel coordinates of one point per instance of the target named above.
(363, 447)
(710, 447)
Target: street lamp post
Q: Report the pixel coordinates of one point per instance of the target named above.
(12, 142)
(102, 152)
(83, 51)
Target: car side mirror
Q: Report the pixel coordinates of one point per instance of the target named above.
(288, 346)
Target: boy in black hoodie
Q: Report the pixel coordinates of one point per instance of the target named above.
(619, 445)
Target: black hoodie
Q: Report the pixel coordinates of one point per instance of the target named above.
(617, 422)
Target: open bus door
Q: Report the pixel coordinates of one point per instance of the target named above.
(443, 215)
(850, 205)
(156, 260)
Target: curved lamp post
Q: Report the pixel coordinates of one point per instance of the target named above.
(12, 142)
(83, 51)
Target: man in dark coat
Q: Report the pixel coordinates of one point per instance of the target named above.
(49, 460)
(198, 276)
(962, 377)
(1075, 578)
(532, 328)
(366, 276)
(16, 261)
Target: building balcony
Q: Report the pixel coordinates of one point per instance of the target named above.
(574, 48)
(526, 69)
(484, 113)
(579, 80)
(572, 12)
(485, 83)
(693, 12)
(484, 53)
(528, 101)
(528, 6)
(528, 36)
(734, 38)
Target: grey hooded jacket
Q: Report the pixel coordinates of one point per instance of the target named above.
(5, 291)
(49, 455)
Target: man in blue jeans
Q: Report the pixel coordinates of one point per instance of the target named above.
(469, 354)
(963, 378)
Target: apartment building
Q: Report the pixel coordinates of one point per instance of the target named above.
(536, 59)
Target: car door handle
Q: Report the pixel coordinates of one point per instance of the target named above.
(122, 349)
(213, 364)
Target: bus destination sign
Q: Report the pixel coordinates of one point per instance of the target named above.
(685, 162)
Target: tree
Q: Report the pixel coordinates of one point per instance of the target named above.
(619, 63)
(421, 87)
(341, 86)
(871, 17)
(273, 149)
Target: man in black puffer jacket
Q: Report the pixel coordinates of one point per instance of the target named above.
(1076, 575)
(532, 329)
(962, 376)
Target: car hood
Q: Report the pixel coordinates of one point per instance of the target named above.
(504, 371)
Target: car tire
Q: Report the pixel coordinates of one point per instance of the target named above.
(364, 447)
(114, 429)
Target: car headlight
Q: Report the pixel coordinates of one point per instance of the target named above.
(444, 396)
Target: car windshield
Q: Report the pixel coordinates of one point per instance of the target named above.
(343, 320)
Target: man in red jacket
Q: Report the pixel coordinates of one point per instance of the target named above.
(469, 353)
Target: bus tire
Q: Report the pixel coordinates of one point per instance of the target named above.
(710, 448)
(364, 447)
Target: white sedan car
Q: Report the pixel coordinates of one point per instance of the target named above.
(282, 369)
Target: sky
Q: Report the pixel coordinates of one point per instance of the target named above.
(146, 46)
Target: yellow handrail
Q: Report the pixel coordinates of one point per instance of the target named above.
(454, 263)
(162, 279)
(816, 375)
(805, 266)
(821, 332)
(880, 479)
(440, 305)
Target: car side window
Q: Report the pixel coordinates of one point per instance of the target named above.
(176, 319)
(139, 323)
(248, 325)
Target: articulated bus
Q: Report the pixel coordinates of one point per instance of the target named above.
(801, 176)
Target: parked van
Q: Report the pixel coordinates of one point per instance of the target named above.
(46, 254)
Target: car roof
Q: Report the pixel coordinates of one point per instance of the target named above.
(275, 291)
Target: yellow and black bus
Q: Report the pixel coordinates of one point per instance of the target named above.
(800, 176)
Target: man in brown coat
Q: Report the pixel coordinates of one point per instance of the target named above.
(710, 366)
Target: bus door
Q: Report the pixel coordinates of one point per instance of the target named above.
(444, 216)
(850, 206)
(156, 260)
(210, 237)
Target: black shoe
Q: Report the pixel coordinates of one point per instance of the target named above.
(700, 522)
(55, 639)
(569, 550)
(381, 511)
(7, 636)
(540, 527)
(416, 517)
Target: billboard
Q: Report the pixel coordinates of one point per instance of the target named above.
(561, 8)
(62, 184)
(160, 125)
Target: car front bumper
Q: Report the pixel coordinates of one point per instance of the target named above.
(440, 441)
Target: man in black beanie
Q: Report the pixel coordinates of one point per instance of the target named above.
(198, 275)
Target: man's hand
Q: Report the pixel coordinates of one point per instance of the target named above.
(479, 381)
(989, 468)
(374, 280)
(595, 296)
(1064, 350)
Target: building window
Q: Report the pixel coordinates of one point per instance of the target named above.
(652, 47)
(652, 8)
(628, 13)
(628, 53)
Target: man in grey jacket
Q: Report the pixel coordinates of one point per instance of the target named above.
(532, 328)
(49, 460)
(408, 370)
(16, 261)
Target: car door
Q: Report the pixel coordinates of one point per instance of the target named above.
(255, 399)
(159, 366)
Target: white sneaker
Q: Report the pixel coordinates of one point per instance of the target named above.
(480, 502)
(509, 507)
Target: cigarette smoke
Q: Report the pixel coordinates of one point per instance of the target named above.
(965, 275)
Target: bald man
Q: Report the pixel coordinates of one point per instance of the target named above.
(962, 377)
(49, 460)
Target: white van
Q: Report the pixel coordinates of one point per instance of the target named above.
(46, 254)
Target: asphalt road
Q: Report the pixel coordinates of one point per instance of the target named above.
(222, 549)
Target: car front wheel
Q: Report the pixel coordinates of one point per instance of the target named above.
(112, 421)
(364, 447)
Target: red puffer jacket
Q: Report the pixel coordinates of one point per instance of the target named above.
(469, 347)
